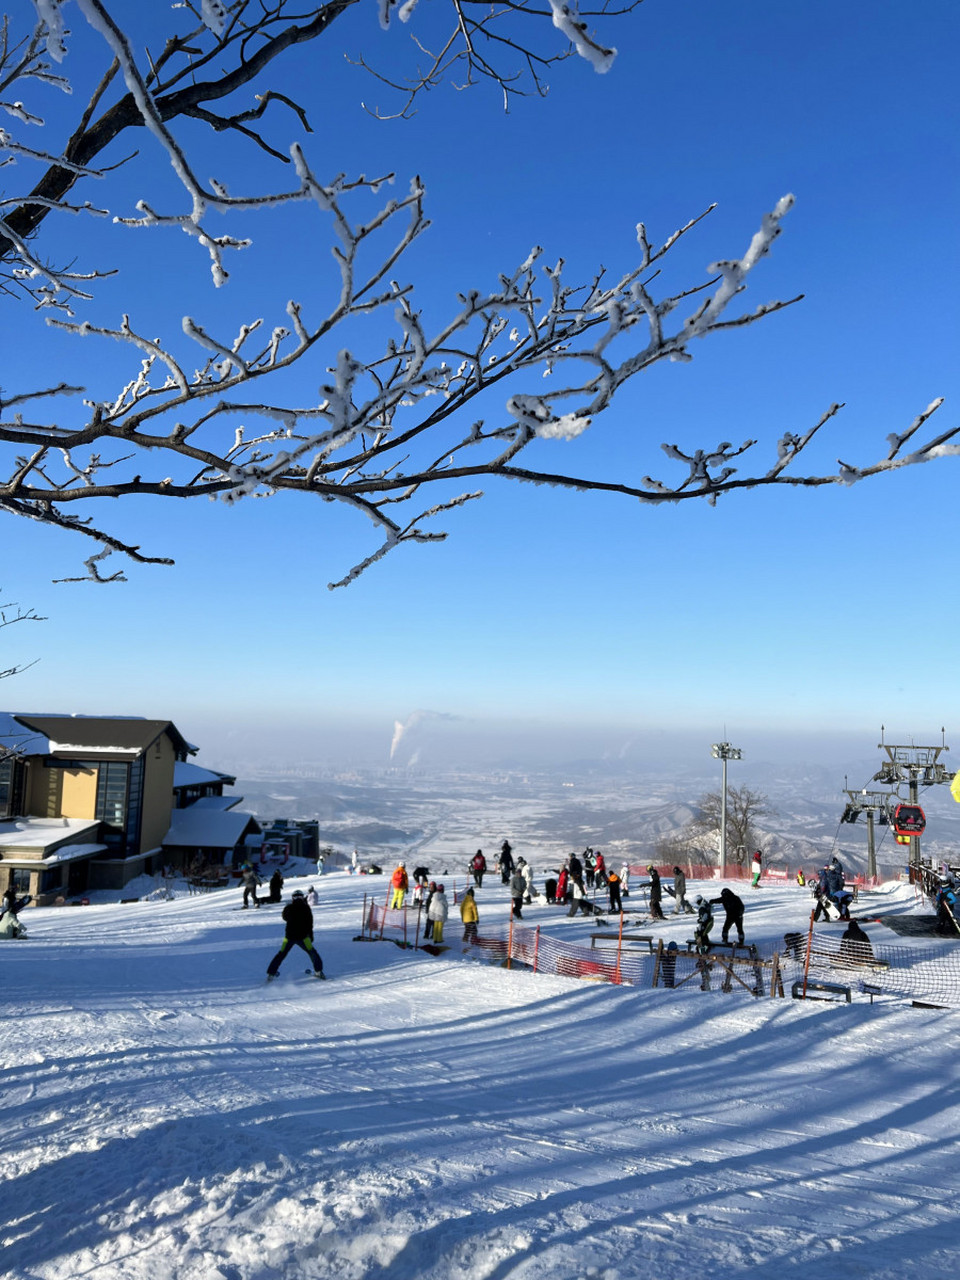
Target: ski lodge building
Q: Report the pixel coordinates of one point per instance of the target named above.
(91, 802)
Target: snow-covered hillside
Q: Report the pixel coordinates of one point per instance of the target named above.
(168, 1114)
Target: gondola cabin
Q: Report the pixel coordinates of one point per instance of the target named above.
(908, 820)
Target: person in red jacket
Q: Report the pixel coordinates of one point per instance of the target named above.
(400, 884)
(478, 866)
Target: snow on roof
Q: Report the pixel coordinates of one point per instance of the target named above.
(187, 774)
(68, 853)
(42, 833)
(75, 734)
(200, 828)
(216, 802)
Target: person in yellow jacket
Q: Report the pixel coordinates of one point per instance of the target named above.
(469, 916)
(400, 884)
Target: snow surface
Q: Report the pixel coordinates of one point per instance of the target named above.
(168, 1114)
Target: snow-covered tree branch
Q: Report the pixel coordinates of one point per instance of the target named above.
(411, 405)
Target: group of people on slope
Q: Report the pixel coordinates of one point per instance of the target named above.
(829, 889)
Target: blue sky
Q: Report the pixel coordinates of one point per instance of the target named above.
(816, 611)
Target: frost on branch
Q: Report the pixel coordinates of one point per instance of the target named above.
(566, 18)
(415, 405)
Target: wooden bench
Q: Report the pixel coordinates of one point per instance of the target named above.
(628, 938)
(832, 988)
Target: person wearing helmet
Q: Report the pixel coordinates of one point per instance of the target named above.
(701, 934)
(656, 893)
(399, 884)
(298, 919)
(733, 906)
(437, 913)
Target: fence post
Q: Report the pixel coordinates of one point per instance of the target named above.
(416, 940)
(404, 926)
(619, 947)
(536, 949)
(383, 920)
(363, 922)
(775, 982)
(806, 966)
(510, 944)
(656, 966)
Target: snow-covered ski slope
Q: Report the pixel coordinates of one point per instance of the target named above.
(166, 1113)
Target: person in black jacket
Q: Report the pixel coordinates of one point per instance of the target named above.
(733, 906)
(656, 893)
(298, 918)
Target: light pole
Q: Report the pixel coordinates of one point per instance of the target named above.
(723, 751)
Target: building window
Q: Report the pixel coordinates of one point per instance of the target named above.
(112, 780)
(11, 787)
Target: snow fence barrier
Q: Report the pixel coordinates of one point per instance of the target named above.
(927, 975)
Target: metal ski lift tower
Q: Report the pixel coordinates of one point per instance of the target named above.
(723, 751)
(913, 765)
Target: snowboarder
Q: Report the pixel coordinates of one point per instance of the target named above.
(478, 865)
(855, 945)
(599, 867)
(399, 885)
(437, 913)
(680, 892)
(320, 863)
(589, 868)
(470, 916)
(701, 934)
(578, 899)
(517, 886)
(625, 880)
(276, 885)
(313, 898)
(656, 893)
(756, 869)
(527, 872)
(251, 882)
(298, 919)
(733, 906)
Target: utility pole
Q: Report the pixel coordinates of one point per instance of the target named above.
(724, 752)
(873, 804)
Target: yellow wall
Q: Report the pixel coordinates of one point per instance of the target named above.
(42, 794)
(157, 793)
(79, 795)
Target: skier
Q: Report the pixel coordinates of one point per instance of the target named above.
(478, 866)
(250, 881)
(527, 872)
(656, 910)
(506, 862)
(701, 934)
(599, 867)
(576, 868)
(354, 862)
(320, 862)
(313, 898)
(298, 919)
(733, 906)
(276, 885)
(680, 891)
(517, 886)
(756, 868)
(399, 884)
(438, 912)
(470, 916)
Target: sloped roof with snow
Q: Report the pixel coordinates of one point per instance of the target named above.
(188, 774)
(95, 736)
(207, 828)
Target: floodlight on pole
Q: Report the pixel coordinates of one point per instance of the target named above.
(723, 751)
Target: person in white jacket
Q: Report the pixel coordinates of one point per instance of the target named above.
(527, 872)
(438, 912)
(578, 899)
